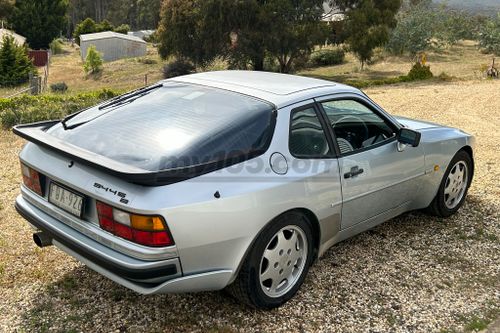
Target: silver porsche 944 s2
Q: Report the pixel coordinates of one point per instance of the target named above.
(231, 179)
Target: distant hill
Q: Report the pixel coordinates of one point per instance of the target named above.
(485, 7)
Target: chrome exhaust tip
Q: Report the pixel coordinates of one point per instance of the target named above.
(42, 239)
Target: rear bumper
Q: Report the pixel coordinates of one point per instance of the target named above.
(145, 277)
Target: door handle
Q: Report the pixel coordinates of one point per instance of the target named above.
(354, 172)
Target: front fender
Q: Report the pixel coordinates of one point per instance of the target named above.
(440, 145)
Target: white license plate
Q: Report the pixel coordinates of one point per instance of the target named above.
(66, 200)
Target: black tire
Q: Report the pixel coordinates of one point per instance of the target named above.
(438, 206)
(247, 287)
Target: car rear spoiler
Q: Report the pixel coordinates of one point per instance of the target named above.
(37, 134)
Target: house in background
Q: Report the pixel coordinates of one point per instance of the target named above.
(18, 39)
(112, 45)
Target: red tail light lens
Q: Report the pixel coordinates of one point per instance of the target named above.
(31, 179)
(140, 229)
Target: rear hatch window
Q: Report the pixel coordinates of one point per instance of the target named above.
(175, 126)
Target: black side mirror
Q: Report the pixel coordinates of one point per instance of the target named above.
(409, 137)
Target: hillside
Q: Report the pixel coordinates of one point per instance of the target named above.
(484, 7)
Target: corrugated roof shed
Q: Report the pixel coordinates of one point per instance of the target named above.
(112, 45)
(109, 34)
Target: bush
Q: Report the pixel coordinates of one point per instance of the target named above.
(177, 68)
(328, 57)
(122, 29)
(59, 87)
(420, 72)
(87, 26)
(28, 108)
(104, 25)
(56, 46)
(414, 32)
(217, 64)
(15, 65)
(147, 61)
(93, 61)
(489, 36)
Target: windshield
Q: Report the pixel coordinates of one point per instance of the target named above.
(175, 126)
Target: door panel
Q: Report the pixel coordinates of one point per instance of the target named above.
(389, 179)
(375, 175)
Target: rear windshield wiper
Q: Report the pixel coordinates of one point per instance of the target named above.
(115, 102)
(127, 97)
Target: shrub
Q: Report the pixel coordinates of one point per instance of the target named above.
(489, 36)
(177, 68)
(414, 32)
(56, 46)
(15, 65)
(28, 108)
(301, 61)
(122, 29)
(217, 64)
(147, 61)
(420, 72)
(328, 57)
(87, 26)
(93, 61)
(59, 87)
(104, 25)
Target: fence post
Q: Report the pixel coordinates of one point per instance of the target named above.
(35, 83)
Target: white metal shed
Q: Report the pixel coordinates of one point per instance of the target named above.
(18, 39)
(113, 45)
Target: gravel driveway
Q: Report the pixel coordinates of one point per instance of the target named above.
(414, 273)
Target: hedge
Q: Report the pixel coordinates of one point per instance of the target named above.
(28, 109)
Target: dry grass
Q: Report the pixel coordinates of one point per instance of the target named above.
(125, 74)
(462, 61)
(414, 273)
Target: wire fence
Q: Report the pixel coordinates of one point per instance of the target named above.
(36, 84)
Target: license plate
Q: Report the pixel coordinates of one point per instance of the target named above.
(65, 199)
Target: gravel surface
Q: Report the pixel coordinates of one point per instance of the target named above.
(414, 273)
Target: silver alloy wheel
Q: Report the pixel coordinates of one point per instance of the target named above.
(456, 184)
(283, 261)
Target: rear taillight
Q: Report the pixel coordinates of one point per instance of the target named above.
(141, 229)
(31, 179)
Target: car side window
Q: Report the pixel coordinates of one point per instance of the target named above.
(356, 126)
(307, 137)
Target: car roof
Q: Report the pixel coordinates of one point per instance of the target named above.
(279, 89)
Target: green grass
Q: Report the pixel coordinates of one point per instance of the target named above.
(476, 324)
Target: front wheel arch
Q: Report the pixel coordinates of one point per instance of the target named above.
(468, 150)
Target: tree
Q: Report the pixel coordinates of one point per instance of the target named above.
(368, 26)
(423, 26)
(122, 29)
(489, 37)
(244, 31)
(93, 61)
(294, 29)
(6, 8)
(40, 21)
(15, 65)
(179, 32)
(414, 32)
(138, 14)
(104, 25)
(87, 26)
